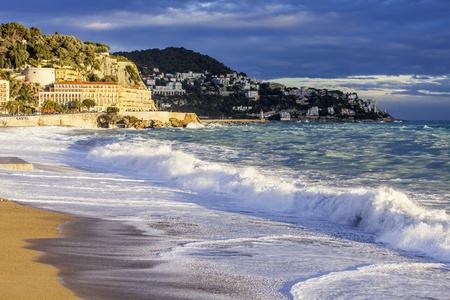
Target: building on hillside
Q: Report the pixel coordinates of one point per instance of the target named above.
(330, 110)
(313, 111)
(285, 116)
(371, 105)
(66, 74)
(136, 99)
(41, 76)
(171, 89)
(252, 95)
(4, 92)
(347, 112)
(151, 82)
(105, 94)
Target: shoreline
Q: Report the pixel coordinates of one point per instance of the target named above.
(97, 258)
(21, 271)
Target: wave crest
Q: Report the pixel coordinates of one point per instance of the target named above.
(385, 212)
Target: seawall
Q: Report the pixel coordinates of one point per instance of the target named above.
(86, 120)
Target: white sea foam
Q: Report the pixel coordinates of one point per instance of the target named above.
(225, 213)
(396, 281)
(387, 213)
(194, 125)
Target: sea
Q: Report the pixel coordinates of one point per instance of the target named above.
(257, 211)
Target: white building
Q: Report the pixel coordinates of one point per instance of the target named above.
(171, 89)
(330, 110)
(252, 95)
(285, 116)
(313, 111)
(41, 76)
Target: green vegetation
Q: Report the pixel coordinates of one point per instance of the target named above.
(94, 78)
(172, 60)
(19, 44)
(120, 58)
(89, 103)
(133, 73)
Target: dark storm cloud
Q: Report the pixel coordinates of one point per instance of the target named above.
(265, 38)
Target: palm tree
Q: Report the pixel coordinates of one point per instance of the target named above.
(11, 106)
(76, 104)
(49, 106)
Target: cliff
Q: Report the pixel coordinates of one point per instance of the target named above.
(110, 66)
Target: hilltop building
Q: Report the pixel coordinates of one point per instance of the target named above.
(105, 94)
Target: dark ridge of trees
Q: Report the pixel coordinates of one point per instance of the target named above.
(174, 59)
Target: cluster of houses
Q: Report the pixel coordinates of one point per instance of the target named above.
(230, 83)
(65, 87)
(223, 85)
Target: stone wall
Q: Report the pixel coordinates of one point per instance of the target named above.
(86, 120)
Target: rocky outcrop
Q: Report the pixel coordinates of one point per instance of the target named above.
(188, 118)
(129, 122)
(110, 66)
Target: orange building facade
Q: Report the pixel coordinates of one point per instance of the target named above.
(105, 94)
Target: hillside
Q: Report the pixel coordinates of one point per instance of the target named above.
(173, 60)
(21, 47)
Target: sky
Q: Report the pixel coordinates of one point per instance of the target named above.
(396, 52)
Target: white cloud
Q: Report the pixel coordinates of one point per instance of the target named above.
(434, 93)
(275, 17)
(99, 25)
(376, 86)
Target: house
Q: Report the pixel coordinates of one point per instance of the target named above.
(252, 95)
(313, 111)
(66, 74)
(171, 89)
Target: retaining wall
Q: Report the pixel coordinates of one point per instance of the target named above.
(87, 120)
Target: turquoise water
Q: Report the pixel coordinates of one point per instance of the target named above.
(412, 156)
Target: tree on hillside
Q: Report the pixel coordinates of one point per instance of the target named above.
(173, 59)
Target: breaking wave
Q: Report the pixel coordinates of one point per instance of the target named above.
(385, 212)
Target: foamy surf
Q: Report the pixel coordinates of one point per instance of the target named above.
(273, 211)
(385, 212)
(394, 281)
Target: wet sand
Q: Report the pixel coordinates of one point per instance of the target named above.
(20, 276)
(47, 255)
(106, 259)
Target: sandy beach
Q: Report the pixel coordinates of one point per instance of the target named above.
(21, 277)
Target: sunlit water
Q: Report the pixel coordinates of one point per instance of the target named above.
(307, 211)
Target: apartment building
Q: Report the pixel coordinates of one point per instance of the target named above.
(105, 94)
(171, 89)
(136, 99)
(66, 74)
(4, 92)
